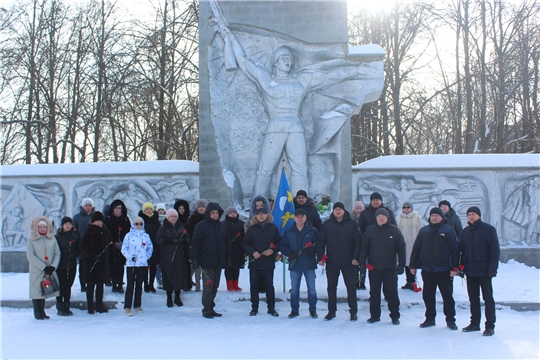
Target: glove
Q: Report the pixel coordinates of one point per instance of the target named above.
(49, 270)
(492, 274)
(400, 270)
(293, 255)
(306, 250)
(177, 241)
(118, 245)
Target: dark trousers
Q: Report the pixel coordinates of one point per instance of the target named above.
(232, 273)
(474, 284)
(410, 277)
(442, 280)
(255, 282)
(150, 275)
(82, 277)
(387, 280)
(117, 274)
(349, 273)
(362, 274)
(66, 278)
(135, 279)
(90, 295)
(211, 277)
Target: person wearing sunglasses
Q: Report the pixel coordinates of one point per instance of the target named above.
(410, 224)
(137, 248)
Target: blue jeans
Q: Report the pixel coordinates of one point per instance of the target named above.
(296, 278)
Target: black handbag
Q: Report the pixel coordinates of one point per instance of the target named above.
(49, 285)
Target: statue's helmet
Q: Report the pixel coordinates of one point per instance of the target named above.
(281, 51)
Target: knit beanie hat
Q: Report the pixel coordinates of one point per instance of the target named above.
(171, 212)
(87, 201)
(375, 195)
(230, 209)
(358, 204)
(339, 205)
(301, 193)
(407, 204)
(445, 202)
(161, 206)
(97, 216)
(147, 205)
(474, 209)
(437, 211)
(201, 202)
(66, 219)
(382, 211)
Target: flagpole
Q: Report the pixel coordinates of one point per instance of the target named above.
(283, 168)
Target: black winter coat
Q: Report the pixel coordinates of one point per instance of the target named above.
(211, 245)
(435, 249)
(118, 227)
(235, 227)
(453, 220)
(368, 218)
(96, 247)
(81, 220)
(312, 213)
(194, 220)
(172, 255)
(183, 218)
(380, 246)
(480, 251)
(151, 226)
(68, 242)
(340, 240)
(260, 237)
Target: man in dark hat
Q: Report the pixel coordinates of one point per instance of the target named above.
(301, 201)
(480, 255)
(339, 240)
(436, 252)
(452, 219)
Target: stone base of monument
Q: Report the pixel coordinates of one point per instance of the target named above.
(529, 256)
(13, 261)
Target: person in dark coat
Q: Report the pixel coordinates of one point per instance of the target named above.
(118, 225)
(171, 237)
(339, 240)
(151, 226)
(80, 222)
(182, 207)
(96, 246)
(298, 243)
(480, 254)
(452, 219)
(261, 243)
(436, 252)
(68, 242)
(380, 245)
(211, 252)
(198, 216)
(235, 227)
(301, 201)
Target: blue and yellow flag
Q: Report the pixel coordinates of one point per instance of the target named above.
(283, 211)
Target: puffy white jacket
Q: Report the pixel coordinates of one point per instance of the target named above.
(137, 245)
(409, 224)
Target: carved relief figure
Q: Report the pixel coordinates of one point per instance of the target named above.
(12, 234)
(522, 207)
(51, 198)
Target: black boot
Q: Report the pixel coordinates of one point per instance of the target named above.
(99, 299)
(37, 309)
(119, 286)
(67, 306)
(42, 309)
(177, 300)
(169, 299)
(60, 307)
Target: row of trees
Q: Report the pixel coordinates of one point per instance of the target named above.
(87, 81)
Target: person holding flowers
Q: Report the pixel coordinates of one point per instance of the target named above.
(137, 248)
(298, 243)
(68, 242)
(211, 251)
(261, 243)
(235, 226)
(118, 225)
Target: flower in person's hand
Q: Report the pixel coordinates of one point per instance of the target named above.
(272, 245)
(46, 258)
(461, 267)
(208, 282)
(369, 266)
(324, 258)
(119, 229)
(309, 244)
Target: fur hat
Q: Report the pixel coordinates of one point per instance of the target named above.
(66, 219)
(375, 195)
(474, 209)
(201, 202)
(382, 211)
(87, 201)
(407, 204)
(230, 209)
(161, 206)
(445, 202)
(437, 211)
(34, 234)
(301, 193)
(97, 216)
(340, 205)
(171, 212)
(147, 205)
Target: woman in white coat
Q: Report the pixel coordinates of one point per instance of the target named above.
(137, 248)
(43, 256)
(410, 224)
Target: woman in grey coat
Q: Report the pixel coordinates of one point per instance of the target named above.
(43, 256)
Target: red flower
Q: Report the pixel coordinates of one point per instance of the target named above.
(185, 231)
(208, 282)
(143, 244)
(70, 242)
(272, 245)
(46, 258)
(280, 256)
(324, 258)
(119, 228)
(112, 242)
(461, 267)
(309, 244)
(239, 234)
(369, 266)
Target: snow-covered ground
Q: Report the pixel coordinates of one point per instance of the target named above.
(181, 332)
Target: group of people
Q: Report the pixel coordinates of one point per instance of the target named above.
(179, 245)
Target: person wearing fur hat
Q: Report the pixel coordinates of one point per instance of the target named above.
(261, 243)
(409, 223)
(211, 252)
(452, 219)
(171, 237)
(80, 222)
(235, 227)
(97, 247)
(137, 248)
(68, 242)
(182, 207)
(382, 243)
(436, 252)
(198, 216)
(301, 201)
(43, 256)
(480, 254)
(118, 224)
(339, 240)
(151, 227)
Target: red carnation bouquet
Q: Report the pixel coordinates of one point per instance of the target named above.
(324, 258)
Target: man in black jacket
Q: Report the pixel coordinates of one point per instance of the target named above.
(301, 201)
(211, 251)
(380, 245)
(340, 241)
(436, 252)
(480, 255)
